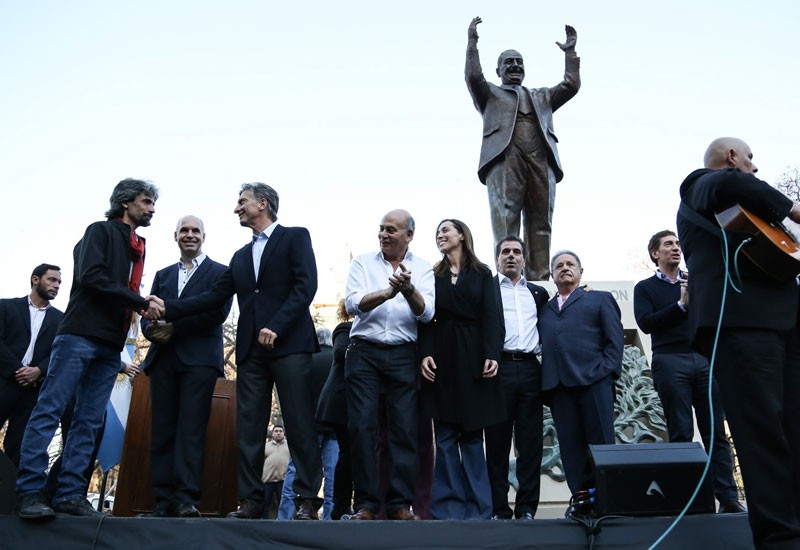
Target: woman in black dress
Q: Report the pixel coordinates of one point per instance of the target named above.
(461, 348)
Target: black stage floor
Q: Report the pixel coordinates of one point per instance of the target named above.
(705, 532)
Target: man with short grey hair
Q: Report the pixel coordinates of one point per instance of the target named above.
(388, 292)
(582, 342)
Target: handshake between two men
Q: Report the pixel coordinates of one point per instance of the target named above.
(161, 332)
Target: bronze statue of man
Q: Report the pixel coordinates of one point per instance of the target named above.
(519, 159)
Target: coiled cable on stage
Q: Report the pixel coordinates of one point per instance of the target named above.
(580, 510)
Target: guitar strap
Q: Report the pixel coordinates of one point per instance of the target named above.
(693, 216)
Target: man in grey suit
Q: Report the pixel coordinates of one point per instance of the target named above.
(519, 161)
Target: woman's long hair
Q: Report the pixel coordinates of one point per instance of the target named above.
(470, 260)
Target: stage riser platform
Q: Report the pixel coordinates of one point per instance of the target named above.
(708, 532)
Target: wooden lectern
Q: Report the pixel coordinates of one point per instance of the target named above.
(219, 492)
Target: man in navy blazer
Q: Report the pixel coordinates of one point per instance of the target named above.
(27, 329)
(274, 278)
(582, 343)
(521, 376)
(184, 361)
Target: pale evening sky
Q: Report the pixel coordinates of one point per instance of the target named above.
(350, 109)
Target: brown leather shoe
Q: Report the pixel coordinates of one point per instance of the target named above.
(247, 510)
(306, 511)
(402, 514)
(363, 514)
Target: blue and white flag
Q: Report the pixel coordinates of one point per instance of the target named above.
(110, 451)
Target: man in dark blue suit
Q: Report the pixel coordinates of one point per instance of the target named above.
(582, 343)
(274, 278)
(184, 361)
(27, 329)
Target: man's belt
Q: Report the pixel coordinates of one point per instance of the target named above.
(517, 355)
(381, 345)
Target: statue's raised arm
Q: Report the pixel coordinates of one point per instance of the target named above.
(476, 83)
(572, 38)
(472, 31)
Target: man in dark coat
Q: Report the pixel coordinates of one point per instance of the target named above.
(183, 362)
(582, 342)
(519, 161)
(751, 360)
(85, 360)
(521, 378)
(274, 278)
(27, 328)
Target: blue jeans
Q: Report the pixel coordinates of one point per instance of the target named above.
(286, 505)
(329, 448)
(79, 367)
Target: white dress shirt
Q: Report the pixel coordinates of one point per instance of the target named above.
(392, 322)
(520, 315)
(185, 274)
(259, 243)
(37, 318)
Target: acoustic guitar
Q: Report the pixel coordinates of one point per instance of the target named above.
(773, 247)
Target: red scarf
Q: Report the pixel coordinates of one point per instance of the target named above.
(137, 255)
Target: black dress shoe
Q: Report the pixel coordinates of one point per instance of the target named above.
(161, 511)
(732, 507)
(247, 510)
(364, 514)
(526, 516)
(186, 510)
(306, 511)
(78, 506)
(34, 506)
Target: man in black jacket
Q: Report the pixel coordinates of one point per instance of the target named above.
(750, 362)
(274, 278)
(27, 328)
(521, 377)
(109, 261)
(184, 361)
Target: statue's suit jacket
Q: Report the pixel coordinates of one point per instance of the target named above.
(582, 343)
(499, 106)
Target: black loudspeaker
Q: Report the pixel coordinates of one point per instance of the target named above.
(650, 479)
(8, 482)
